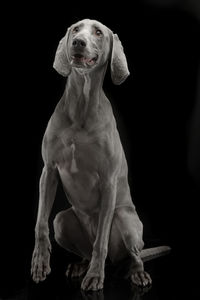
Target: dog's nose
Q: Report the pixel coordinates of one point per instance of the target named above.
(79, 43)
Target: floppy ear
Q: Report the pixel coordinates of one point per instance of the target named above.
(119, 68)
(61, 61)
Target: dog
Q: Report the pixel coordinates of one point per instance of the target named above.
(82, 146)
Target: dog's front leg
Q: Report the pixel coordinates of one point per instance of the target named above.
(95, 276)
(41, 254)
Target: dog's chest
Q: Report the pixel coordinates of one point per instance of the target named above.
(80, 156)
(77, 158)
(76, 151)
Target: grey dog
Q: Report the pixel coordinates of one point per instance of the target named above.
(82, 146)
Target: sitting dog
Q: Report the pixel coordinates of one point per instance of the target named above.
(82, 146)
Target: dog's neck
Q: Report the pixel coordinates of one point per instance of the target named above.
(82, 94)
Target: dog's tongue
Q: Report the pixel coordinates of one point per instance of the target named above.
(90, 61)
(82, 59)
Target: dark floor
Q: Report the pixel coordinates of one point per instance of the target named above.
(171, 280)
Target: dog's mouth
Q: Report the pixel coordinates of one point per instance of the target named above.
(80, 59)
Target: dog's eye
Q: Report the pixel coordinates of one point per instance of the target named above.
(76, 29)
(98, 32)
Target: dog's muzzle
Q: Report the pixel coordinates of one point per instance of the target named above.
(80, 59)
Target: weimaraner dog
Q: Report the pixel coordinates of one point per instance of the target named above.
(82, 146)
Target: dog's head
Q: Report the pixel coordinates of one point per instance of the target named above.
(87, 45)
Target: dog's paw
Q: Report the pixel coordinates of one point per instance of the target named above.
(92, 282)
(75, 270)
(40, 266)
(141, 278)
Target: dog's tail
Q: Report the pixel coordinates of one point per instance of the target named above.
(151, 253)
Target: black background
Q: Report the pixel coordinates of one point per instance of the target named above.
(157, 111)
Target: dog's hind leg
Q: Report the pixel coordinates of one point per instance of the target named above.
(70, 234)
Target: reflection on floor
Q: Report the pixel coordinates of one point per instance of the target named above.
(166, 284)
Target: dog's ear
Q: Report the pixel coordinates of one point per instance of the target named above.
(119, 67)
(61, 61)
